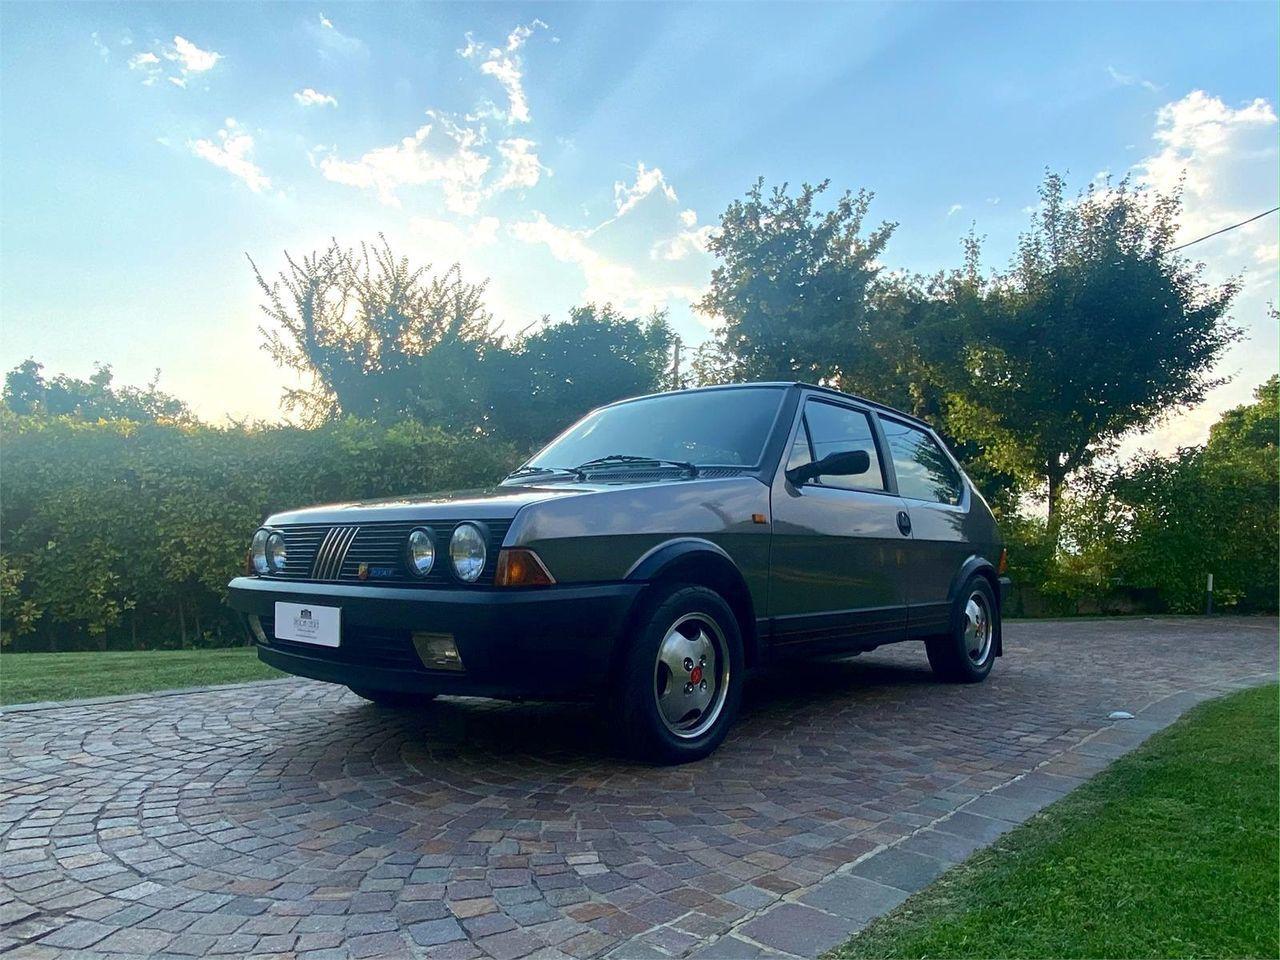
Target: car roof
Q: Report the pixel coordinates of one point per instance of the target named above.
(788, 384)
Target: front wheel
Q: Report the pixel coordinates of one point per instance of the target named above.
(681, 682)
(393, 699)
(966, 653)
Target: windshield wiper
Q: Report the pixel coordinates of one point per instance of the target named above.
(628, 459)
(531, 471)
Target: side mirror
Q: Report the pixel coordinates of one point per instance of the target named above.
(847, 463)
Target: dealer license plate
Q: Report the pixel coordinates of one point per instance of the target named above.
(306, 623)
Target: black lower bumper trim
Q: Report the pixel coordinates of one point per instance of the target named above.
(553, 642)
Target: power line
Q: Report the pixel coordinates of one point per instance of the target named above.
(1223, 230)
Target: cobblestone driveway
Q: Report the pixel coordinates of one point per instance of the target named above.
(290, 818)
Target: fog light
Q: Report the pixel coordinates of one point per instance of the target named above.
(437, 651)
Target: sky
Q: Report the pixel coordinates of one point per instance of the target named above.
(581, 153)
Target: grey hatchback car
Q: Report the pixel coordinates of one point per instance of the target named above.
(648, 558)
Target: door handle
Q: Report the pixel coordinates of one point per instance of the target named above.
(904, 523)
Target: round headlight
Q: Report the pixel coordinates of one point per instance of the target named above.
(422, 551)
(467, 551)
(258, 551)
(276, 552)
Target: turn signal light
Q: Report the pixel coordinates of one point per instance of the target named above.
(518, 567)
(1003, 566)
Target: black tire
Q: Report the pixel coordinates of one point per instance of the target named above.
(951, 655)
(704, 621)
(393, 699)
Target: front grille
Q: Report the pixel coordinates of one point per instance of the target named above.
(335, 552)
(369, 646)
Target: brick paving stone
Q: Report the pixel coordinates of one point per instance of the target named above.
(793, 928)
(854, 898)
(77, 935)
(430, 932)
(292, 818)
(900, 868)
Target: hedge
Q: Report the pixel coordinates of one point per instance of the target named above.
(123, 535)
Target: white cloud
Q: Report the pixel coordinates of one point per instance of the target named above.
(1227, 157)
(314, 98)
(457, 156)
(232, 151)
(521, 168)
(606, 280)
(954, 209)
(459, 168)
(692, 239)
(1131, 80)
(647, 180)
(190, 58)
(682, 245)
(1228, 162)
(506, 66)
(184, 58)
(147, 64)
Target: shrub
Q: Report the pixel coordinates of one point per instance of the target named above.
(124, 534)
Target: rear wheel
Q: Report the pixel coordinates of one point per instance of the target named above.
(393, 699)
(681, 682)
(967, 652)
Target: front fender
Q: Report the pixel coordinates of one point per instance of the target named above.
(650, 564)
(698, 561)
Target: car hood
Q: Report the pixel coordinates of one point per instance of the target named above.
(492, 503)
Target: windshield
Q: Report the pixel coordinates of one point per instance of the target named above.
(705, 428)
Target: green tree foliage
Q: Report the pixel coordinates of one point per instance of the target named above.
(792, 286)
(380, 339)
(27, 391)
(556, 374)
(1146, 533)
(125, 534)
(1095, 331)
(1209, 509)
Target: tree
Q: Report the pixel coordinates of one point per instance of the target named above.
(595, 357)
(362, 325)
(28, 393)
(382, 340)
(1096, 330)
(791, 286)
(1206, 510)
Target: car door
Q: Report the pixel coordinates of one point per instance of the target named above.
(835, 578)
(937, 501)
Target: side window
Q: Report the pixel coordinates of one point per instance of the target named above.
(924, 471)
(835, 429)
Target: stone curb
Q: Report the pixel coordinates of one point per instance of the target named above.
(817, 918)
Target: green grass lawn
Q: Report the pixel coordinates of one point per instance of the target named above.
(1171, 852)
(28, 677)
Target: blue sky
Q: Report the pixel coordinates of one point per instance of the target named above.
(577, 152)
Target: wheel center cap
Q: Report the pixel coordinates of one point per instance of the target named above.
(695, 675)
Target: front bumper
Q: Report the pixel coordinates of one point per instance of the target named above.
(549, 642)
